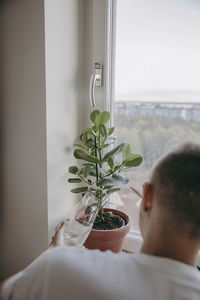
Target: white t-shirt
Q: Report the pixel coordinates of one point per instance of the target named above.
(81, 274)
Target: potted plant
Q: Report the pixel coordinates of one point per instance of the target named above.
(101, 175)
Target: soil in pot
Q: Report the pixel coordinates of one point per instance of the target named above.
(113, 222)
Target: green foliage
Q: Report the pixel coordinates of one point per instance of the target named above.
(110, 162)
(101, 170)
(156, 135)
(86, 170)
(80, 146)
(80, 154)
(104, 146)
(103, 131)
(126, 151)
(102, 118)
(73, 169)
(133, 160)
(93, 115)
(113, 180)
(80, 190)
(111, 130)
(106, 215)
(90, 143)
(74, 180)
(113, 152)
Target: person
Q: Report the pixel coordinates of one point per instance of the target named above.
(164, 269)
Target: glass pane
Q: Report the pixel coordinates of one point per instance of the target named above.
(157, 95)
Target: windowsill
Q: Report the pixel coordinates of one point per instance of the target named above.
(133, 242)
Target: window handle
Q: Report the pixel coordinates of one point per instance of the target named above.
(95, 80)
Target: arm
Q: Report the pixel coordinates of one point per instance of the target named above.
(57, 240)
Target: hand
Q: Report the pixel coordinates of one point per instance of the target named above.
(58, 238)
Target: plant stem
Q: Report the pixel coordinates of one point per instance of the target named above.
(95, 150)
(112, 172)
(97, 175)
(100, 156)
(84, 180)
(101, 211)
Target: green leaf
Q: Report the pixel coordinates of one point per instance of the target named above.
(89, 130)
(74, 180)
(128, 169)
(86, 171)
(113, 190)
(110, 131)
(93, 115)
(134, 160)
(103, 131)
(126, 151)
(106, 215)
(117, 168)
(90, 143)
(121, 178)
(113, 151)
(79, 190)
(80, 154)
(89, 134)
(84, 137)
(114, 180)
(73, 169)
(104, 146)
(97, 220)
(93, 172)
(110, 162)
(102, 118)
(92, 152)
(94, 128)
(81, 146)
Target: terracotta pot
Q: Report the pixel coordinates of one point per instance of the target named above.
(109, 239)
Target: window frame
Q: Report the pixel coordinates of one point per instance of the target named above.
(110, 47)
(133, 240)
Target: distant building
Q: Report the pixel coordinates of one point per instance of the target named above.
(185, 111)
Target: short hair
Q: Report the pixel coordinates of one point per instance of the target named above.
(176, 182)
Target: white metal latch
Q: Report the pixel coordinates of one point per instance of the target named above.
(95, 80)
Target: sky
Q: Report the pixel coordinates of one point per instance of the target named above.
(158, 50)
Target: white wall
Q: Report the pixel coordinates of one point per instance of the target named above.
(95, 38)
(34, 170)
(23, 140)
(47, 57)
(64, 35)
(74, 41)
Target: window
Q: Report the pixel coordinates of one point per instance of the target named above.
(157, 91)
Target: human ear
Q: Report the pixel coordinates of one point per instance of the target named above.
(145, 208)
(147, 200)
